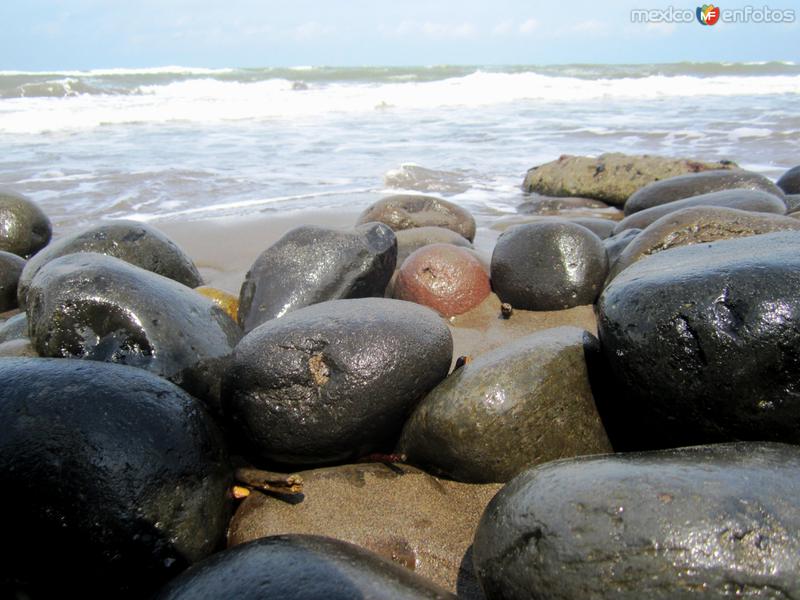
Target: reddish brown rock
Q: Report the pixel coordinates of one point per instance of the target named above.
(443, 277)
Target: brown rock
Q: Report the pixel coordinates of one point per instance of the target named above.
(410, 240)
(698, 225)
(225, 300)
(446, 278)
(549, 205)
(406, 211)
(421, 522)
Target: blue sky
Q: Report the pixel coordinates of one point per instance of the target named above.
(84, 34)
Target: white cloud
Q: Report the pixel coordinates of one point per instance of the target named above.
(529, 26)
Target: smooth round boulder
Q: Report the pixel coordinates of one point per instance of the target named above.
(299, 567)
(749, 200)
(24, 228)
(225, 300)
(114, 480)
(410, 240)
(789, 182)
(694, 184)
(702, 522)
(406, 211)
(311, 264)
(16, 327)
(792, 202)
(549, 265)
(334, 381)
(617, 243)
(10, 269)
(98, 307)
(134, 242)
(18, 347)
(702, 341)
(443, 277)
(522, 404)
(602, 228)
(697, 225)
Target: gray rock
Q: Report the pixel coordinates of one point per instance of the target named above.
(19, 347)
(617, 243)
(101, 308)
(136, 243)
(686, 186)
(335, 380)
(792, 202)
(409, 240)
(702, 341)
(300, 567)
(313, 264)
(789, 182)
(24, 228)
(550, 265)
(525, 403)
(698, 225)
(609, 177)
(602, 228)
(10, 269)
(750, 200)
(406, 211)
(703, 522)
(546, 205)
(115, 479)
(16, 327)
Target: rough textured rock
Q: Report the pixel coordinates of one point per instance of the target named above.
(24, 228)
(750, 200)
(443, 277)
(135, 243)
(686, 186)
(548, 206)
(115, 479)
(410, 240)
(16, 327)
(225, 300)
(789, 182)
(702, 522)
(617, 243)
(334, 381)
(401, 513)
(406, 211)
(702, 341)
(101, 308)
(609, 177)
(313, 264)
(10, 269)
(525, 403)
(550, 265)
(696, 226)
(300, 567)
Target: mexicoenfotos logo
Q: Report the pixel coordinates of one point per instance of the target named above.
(708, 14)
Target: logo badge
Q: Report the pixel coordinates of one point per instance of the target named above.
(708, 14)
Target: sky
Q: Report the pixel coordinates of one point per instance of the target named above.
(90, 34)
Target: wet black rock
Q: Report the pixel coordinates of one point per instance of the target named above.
(522, 404)
(749, 200)
(335, 380)
(300, 567)
(702, 522)
(789, 182)
(113, 480)
(10, 269)
(313, 264)
(548, 265)
(24, 228)
(131, 241)
(406, 211)
(617, 243)
(101, 308)
(16, 327)
(602, 228)
(410, 240)
(686, 186)
(703, 341)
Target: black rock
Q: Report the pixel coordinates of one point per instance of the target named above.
(101, 308)
(694, 184)
(131, 241)
(299, 567)
(750, 200)
(617, 243)
(548, 265)
(10, 269)
(406, 211)
(113, 480)
(703, 522)
(789, 182)
(313, 264)
(24, 228)
(335, 380)
(703, 341)
(15, 328)
(602, 228)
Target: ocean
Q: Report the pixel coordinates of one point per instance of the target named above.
(176, 143)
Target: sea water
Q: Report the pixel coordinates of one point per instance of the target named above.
(187, 143)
